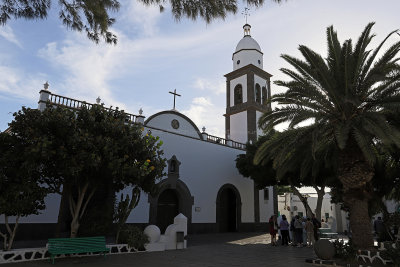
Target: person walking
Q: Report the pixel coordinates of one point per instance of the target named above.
(293, 231)
(310, 232)
(298, 225)
(273, 229)
(379, 229)
(284, 227)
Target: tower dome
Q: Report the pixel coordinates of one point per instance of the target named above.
(247, 51)
(247, 42)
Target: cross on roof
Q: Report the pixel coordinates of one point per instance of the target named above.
(175, 94)
(246, 13)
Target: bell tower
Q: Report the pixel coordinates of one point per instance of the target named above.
(247, 90)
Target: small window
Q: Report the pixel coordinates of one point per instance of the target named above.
(238, 96)
(326, 216)
(173, 166)
(266, 194)
(300, 214)
(238, 62)
(259, 61)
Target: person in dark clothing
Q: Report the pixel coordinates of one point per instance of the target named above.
(379, 229)
(298, 225)
(284, 226)
(317, 225)
(293, 230)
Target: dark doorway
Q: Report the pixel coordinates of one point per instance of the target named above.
(167, 208)
(227, 211)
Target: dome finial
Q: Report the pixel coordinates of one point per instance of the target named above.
(246, 26)
(246, 13)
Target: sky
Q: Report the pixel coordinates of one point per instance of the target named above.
(156, 54)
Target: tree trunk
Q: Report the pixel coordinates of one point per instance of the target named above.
(78, 208)
(303, 200)
(275, 195)
(63, 216)
(8, 242)
(355, 174)
(12, 234)
(320, 193)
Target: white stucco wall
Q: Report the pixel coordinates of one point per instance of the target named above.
(163, 121)
(266, 206)
(243, 81)
(247, 57)
(205, 168)
(49, 215)
(238, 127)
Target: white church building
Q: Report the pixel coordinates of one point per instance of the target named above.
(202, 181)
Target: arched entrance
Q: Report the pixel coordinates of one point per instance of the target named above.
(174, 198)
(167, 208)
(228, 209)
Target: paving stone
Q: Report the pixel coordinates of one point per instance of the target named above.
(208, 250)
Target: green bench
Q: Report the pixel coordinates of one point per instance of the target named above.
(327, 233)
(61, 246)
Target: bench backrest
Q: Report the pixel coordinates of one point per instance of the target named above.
(83, 242)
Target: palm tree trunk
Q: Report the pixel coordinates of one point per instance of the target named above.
(303, 200)
(355, 174)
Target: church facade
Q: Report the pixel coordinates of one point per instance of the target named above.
(202, 181)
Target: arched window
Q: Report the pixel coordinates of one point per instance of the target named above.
(238, 94)
(258, 93)
(264, 95)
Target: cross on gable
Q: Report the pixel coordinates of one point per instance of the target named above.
(175, 95)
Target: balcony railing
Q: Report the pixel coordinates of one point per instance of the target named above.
(223, 141)
(76, 104)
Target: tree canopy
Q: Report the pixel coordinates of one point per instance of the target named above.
(300, 169)
(83, 149)
(95, 16)
(22, 192)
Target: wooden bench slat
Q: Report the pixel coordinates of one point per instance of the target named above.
(59, 246)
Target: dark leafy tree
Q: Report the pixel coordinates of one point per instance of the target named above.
(21, 191)
(346, 100)
(85, 148)
(300, 169)
(94, 16)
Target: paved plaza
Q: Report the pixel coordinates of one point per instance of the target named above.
(233, 249)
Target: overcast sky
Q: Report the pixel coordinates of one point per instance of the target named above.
(155, 54)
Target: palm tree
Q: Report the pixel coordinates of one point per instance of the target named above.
(345, 100)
